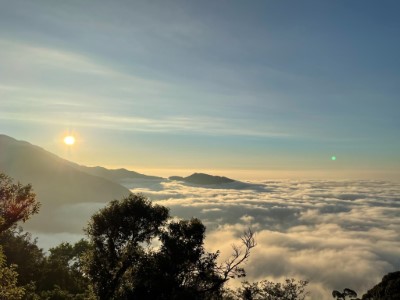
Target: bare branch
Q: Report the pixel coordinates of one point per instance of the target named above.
(230, 268)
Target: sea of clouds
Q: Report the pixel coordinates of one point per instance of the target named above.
(336, 234)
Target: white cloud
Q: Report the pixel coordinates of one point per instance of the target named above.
(247, 219)
(335, 234)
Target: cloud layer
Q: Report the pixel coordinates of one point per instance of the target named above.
(335, 234)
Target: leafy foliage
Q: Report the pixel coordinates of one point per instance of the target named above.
(117, 233)
(23, 252)
(8, 281)
(267, 290)
(138, 253)
(63, 269)
(17, 202)
(346, 293)
(54, 276)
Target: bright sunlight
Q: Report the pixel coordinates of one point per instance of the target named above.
(69, 140)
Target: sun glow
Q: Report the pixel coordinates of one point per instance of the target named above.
(69, 140)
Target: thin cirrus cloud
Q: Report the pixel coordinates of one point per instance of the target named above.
(56, 104)
(174, 125)
(34, 63)
(56, 86)
(52, 83)
(21, 58)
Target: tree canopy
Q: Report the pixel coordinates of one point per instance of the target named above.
(343, 295)
(267, 290)
(17, 202)
(57, 275)
(138, 252)
(8, 281)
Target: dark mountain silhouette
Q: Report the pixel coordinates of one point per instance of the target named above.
(116, 175)
(388, 288)
(55, 180)
(70, 193)
(203, 179)
(218, 182)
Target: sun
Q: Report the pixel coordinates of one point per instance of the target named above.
(69, 140)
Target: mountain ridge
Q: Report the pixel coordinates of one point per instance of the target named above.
(51, 174)
(55, 181)
(203, 179)
(117, 175)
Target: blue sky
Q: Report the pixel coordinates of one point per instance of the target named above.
(211, 85)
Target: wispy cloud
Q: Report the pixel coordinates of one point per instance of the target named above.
(173, 125)
(47, 98)
(20, 56)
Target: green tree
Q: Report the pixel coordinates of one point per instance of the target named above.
(17, 202)
(63, 270)
(346, 293)
(117, 234)
(268, 290)
(138, 253)
(21, 250)
(46, 277)
(8, 281)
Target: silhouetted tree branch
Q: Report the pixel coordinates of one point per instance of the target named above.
(346, 293)
(121, 265)
(230, 268)
(17, 202)
(268, 290)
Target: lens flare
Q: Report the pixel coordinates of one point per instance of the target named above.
(69, 140)
(333, 157)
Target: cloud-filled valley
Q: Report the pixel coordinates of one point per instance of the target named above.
(304, 91)
(336, 234)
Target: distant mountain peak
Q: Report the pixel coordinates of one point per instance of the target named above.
(116, 175)
(55, 181)
(58, 182)
(203, 179)
(13, 152)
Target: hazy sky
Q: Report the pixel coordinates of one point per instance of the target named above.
(211, 85)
